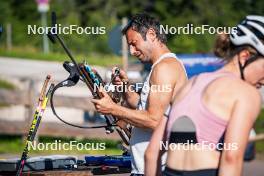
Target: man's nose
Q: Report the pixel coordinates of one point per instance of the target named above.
(132, 50)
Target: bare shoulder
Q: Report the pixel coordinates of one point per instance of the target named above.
(170, 63)
(247, 92)
(239, 90)
(169, 67)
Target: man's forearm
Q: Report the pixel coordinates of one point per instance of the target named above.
(132, 99)
(137, 118)
(130, 95)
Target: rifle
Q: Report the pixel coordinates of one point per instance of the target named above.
(42, 103)
(85, 73)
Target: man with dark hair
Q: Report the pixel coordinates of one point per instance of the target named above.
(141, 23)
(166, 77)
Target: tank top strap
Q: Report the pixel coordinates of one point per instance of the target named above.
(205, 79)
(166, 55)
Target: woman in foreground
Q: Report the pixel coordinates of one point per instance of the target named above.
(208, 126)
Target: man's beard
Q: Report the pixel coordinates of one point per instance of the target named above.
(146, 59)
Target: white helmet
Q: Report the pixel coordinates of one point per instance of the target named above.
(249, 32)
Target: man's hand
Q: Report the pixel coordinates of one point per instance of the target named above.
(130, 96)
(121, 78)
(105, 105)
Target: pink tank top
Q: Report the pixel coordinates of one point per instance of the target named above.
(207, 126)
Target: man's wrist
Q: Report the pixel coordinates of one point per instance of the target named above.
(114, 108)
(128, 87)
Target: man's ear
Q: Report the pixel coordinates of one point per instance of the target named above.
(151, 34)
(243, 56)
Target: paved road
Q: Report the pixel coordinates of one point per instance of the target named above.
(17, 70)
(254, 168)
(23, 68)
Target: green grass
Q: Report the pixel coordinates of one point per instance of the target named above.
(2, 105)
(31, 53)
(259, 126)
(14, 145)
(6, 85)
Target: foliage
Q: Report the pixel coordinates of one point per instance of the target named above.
(109, 13)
